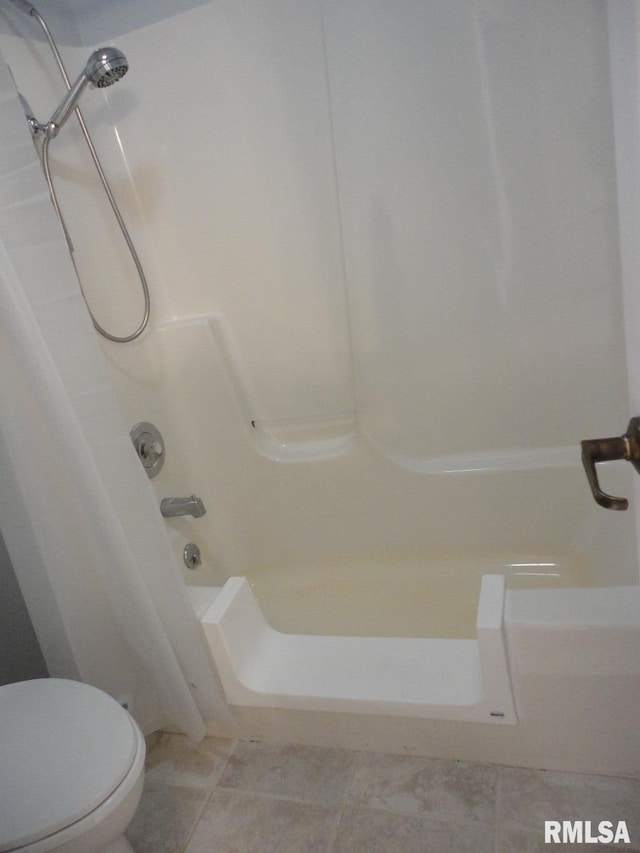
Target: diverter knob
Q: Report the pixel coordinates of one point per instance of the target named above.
(149, 444)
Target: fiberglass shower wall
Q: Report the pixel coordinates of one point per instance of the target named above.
(477, 178)
(398, 221)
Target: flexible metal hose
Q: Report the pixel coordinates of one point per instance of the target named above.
(103, 178)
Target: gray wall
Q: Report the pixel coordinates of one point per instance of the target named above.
(20, 655)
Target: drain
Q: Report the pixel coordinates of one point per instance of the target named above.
(191, 556)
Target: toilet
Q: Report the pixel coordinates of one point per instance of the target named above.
(71, 768)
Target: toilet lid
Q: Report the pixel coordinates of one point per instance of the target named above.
(64, 748)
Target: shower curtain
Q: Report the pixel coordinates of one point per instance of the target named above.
(79, 517)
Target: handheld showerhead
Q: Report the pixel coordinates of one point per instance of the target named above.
(104, 67)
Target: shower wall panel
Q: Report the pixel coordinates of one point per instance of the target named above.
(417, 195)
(457, 154)
(227, 136)
(475, 156)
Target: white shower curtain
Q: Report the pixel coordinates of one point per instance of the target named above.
(77, 512)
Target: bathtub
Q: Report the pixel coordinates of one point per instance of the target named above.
(337, 592)
(385, 313)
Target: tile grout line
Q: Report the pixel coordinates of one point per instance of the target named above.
(343, 805)
(497, 819)
(197, 821)
(499, 787)
(207, 799)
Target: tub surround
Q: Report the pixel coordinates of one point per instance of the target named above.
(388, 300)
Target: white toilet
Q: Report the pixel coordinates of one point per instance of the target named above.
(71, 768)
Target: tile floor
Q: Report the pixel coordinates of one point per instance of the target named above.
(223, 796)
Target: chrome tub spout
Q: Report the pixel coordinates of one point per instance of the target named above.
(172, 507)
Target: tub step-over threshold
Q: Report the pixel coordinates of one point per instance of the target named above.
(425, 678)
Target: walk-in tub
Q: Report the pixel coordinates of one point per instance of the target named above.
(392, 255)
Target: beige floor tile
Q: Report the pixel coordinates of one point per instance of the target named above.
(254, 797)
(447, 790)
(526, 798)
(239, 822)
(165, 818)
(366, 831)
(176, 759)
(307, 773)
(521, 840)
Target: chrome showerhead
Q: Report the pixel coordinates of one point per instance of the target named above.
(104, 67)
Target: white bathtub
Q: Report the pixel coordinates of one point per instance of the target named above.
(390, 297)
(338, 594)
(390, 308)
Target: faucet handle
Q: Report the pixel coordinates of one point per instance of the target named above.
(596, 450)
(149, 444)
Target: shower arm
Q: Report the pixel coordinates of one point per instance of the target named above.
(36, 127)
(596, 450)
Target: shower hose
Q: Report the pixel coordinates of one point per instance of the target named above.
(116, 212)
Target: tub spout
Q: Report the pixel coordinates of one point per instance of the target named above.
(172, 507)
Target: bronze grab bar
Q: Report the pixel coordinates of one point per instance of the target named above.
(596, 450)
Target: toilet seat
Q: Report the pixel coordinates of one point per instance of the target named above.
(65, 747)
